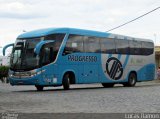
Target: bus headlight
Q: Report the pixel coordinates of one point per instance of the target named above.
(33, 73)
(26, 74)
(10, 73)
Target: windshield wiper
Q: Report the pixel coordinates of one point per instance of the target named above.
(15, 64)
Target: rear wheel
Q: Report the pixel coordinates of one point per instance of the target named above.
(66, 82)
(132, 79)
(39, 88)
(107, 85)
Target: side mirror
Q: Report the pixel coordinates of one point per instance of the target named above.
(5, 47)
(66, 52)
(40, 44)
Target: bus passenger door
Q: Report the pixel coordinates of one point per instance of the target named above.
(91, 71)
(47, 56)
(92, 57)
(73, 57)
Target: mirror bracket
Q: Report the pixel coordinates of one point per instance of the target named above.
(5, 47)
(40, 44)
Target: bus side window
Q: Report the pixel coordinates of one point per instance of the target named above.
(131, 47)
(45, 56)
(48, 53)
(74, 44)
(107, 45)
(147, 48)
(135, 47)
(91, 45)
(122, 46)
(138, 46)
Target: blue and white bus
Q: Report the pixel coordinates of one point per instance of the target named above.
(65, 56)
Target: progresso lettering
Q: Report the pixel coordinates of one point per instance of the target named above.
(74, 58)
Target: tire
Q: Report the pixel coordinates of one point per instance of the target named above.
(39, 88)
(107, 85)
(132, 79)
(66, 82)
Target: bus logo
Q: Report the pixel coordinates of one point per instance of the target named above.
(114, 68)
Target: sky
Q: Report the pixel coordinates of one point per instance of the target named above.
(17, 16)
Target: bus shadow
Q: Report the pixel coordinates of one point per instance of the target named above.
(88, 88)
(62, 90)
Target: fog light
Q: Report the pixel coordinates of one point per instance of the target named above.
(54, 80)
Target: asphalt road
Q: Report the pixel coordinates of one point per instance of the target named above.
(93, 98)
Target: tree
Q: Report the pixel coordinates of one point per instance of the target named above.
(3, 72)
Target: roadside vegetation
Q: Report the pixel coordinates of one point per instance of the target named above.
(4, 73)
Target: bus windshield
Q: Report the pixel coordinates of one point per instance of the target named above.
(23, 57)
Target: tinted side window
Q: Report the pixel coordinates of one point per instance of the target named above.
(58, 36)
(74, 44)
(48, 53)
(135, 47)
(122, 46)
(91, 44)
(58, 39)
(107, 45)
(147, 48)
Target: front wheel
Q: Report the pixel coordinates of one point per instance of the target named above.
(39, 88)
(132, 79)
(66, 82)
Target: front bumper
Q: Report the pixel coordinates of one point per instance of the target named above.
(24, 81)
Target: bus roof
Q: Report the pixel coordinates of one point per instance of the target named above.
(48, 31)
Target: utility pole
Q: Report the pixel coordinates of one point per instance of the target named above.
(155, 37)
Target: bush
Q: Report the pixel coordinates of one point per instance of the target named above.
(3, 71)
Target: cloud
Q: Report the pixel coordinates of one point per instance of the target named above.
(11, 15)
(18, 10)
(102, 15)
